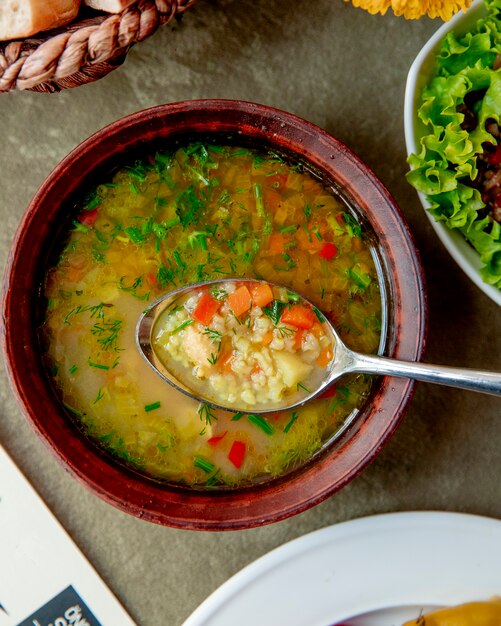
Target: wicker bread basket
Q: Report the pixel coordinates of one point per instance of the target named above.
(84, 50)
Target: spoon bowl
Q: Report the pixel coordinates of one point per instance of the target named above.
(343, 360)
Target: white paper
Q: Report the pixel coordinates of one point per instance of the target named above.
(44, 578)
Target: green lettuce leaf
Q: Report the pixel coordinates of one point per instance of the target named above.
(447, 160)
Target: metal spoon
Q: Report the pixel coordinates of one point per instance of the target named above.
(345, 361)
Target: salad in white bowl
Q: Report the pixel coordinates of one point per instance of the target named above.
(452, 129)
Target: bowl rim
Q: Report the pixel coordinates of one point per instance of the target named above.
(146, 498)
(463, 254)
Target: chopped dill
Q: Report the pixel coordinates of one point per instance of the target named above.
(301, 386)
(206, 413)
(290, 423)
(212, 334)
(181, 326)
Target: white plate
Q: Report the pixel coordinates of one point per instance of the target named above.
(371, 564)
(421, 70)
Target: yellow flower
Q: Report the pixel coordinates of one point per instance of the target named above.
(414, 9)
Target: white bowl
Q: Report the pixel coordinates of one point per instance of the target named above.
(421, 70)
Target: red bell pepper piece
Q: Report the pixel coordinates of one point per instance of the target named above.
(213, 441)
(328, 251)
(237, 453)
(88, 218)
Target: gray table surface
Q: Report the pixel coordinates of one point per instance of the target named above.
(345, 70)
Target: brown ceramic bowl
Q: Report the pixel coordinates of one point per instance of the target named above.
(139, 495)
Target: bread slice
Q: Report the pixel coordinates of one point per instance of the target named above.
(22, 18)
(110, 6)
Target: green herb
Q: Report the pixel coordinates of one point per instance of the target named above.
(181, 326)
(80, 227)
(258, 195)
(108, 333)
(359, 277)
(352, 226)
(189, 206)
(307, 211)
(204, 465)
(261, 423)
(212, 359)
(293, 297)
(152, 406)
(165, 276)
(301, 386)
(213, 335)
(237, 416)
(92, 201)
(285, 331)
(274, 311)
(290, 423)
(218, 293)
(179, 261)
(214, 479)
(288, 229)
(320, 316)
(100, 395)
(206, 413)
(99, 366)
(134, 234)
(132, 289)
(198, 238)
(138, 171)
(73, 369)
(95, 311)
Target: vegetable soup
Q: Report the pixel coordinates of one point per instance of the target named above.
(244, 344)
(203, 211)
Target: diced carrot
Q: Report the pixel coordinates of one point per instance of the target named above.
(88, 218)
(299, 316)
(328, 251)
(206, 308)
(276, 243)
(213, 441)
(267, 338)
(261, 294)
(340, 219)
(240, 301)
(256, 369)
(298, 339)
(237, 453)
(325, 357)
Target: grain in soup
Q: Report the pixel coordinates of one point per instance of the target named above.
(197, 212)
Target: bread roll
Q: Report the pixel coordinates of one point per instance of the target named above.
(22, 18)
(110, 6)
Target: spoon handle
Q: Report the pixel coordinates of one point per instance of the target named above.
(474, 380)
